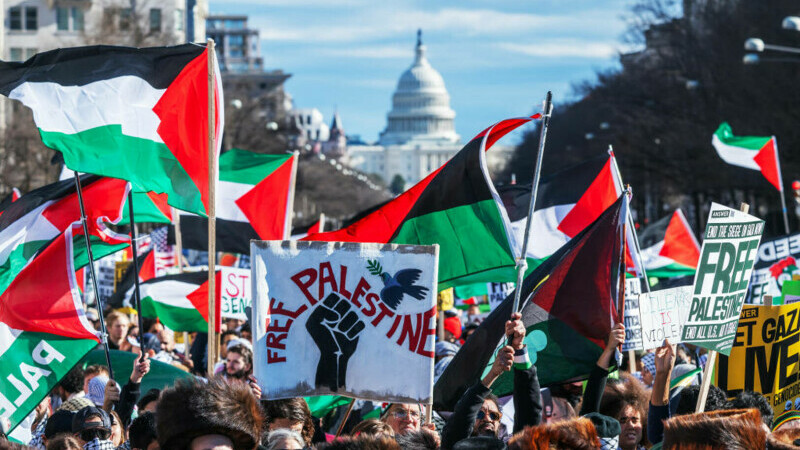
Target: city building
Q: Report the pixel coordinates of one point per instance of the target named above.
(420, 131)
(311, 124)
(238, 47)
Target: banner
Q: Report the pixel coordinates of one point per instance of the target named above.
(347, 318)
(776, 263)
(723, 274)
(633, 329)
(235, 293)
(765, 356)
(662, 315)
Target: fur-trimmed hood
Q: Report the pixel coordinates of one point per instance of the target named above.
(784, 440)
(737, 429)
(575, 434)
(194, 408)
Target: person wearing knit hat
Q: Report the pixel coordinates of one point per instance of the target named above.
(788, 439)
(733, 428)
(608, 430)
(76, 404)
(786, 420)
(217, 414)
(452, 329)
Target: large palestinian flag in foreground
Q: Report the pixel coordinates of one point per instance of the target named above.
(569, 307)
(669, 247)
(43, 329)
(254, 201)
(136, 114)
(456, 207)
(180, 302)
(31, 222)
(751, 152)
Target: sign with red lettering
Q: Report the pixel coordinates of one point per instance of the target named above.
(662, 315)
(349, 319)
(235, 293)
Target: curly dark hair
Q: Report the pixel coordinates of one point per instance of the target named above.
(143, 430)
(293, 409)
(73, 380)
(715, 401)
(619, 394)
(750, 399)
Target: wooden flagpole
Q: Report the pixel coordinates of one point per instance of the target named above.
(346, 416)
(321, 222)
(212, 226)
(136, 293)
(522, 264)
(287, 226)
(712, 357)
(93, 275)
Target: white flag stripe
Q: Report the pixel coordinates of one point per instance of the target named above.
(737, 156)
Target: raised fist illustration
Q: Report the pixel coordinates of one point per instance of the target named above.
(335, 327)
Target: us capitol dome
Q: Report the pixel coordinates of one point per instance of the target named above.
(420, 133)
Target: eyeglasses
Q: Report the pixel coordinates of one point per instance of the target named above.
(403, 414)
(493, 416)
(92, 433)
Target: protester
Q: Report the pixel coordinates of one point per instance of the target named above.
(142, 433)
(224, 339)
(118, 434)
(217, 414)
(92, 371)
(70, 391)
(575, 434)
(443, 354)
(64, 442)
(373, 428)
(246, 332)
(478, 412)
(734, 429)
(238, 363)
(98, 393)
(784, 440)
(750, 399)
(608, 430)
(423, 439)
(129, 396)
(92, 427)
(361, 443)
(149, 401)
(289, 414)
(452, 329)
(788, 420)
(283, 439)
(60, 423)
(117, 324)
(402, 417)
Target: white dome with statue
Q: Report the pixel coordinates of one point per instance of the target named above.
(420, 107)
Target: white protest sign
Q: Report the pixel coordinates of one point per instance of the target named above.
(726, 262)
(662, 315)
(498, 292)
(235, 293)
(633, 329)
(344, 318)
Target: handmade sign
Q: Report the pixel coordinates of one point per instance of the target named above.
(765, 356)
(776, 263)
(723, 273)
(235, 293)
(347, 318)
(497, 292)
(633, 329)
(662, 315)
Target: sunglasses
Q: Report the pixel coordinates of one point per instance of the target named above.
(493, 416)
(92, 433)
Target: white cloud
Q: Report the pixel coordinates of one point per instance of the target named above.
(563, 48)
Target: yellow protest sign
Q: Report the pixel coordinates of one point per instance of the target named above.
(446, 300)
(765, 356)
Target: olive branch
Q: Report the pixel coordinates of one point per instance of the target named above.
(374, 267)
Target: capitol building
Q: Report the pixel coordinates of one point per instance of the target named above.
(420, 131)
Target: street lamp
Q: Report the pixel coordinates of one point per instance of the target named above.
(750, 58)
(791, 23)
(757, 45)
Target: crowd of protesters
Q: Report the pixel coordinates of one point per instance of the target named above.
(613, 409)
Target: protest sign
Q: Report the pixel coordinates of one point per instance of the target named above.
(633, 329)
(347, 318)
(662, 315)
(776, 263)
(723, 273)
(235, 293)
(498, 292)
(764, 357)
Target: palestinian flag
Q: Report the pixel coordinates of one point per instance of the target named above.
(38, 217)
(9, 199)
(180, 302)
(567, 202)
(669, 247)
(569, 305)
(44, 331)
(254, 201)
(306, 230)
(136, 114)
(751, 152)
(456, 207)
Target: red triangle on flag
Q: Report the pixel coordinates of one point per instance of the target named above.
(767, 160)
(601, 194)
(680, 244)
(199, 298)
(267, 203)
(53, 306)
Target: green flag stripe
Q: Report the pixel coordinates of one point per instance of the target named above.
(148, 165)
(241, 166)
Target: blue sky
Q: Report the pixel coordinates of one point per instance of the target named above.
(497, 58)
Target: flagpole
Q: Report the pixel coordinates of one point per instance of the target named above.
(522, 264)
(94, 277)
(176, 223)
(780, 180)
(321, 222)
(287, 226)
(136, 294)
(212, 228)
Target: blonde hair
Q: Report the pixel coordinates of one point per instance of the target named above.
(115, 316)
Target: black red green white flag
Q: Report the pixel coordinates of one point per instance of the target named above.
(751, 152)
(136, 114)
(669, 247)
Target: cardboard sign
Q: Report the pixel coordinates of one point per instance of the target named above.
(776, 264)
(633, 327)
(498, 292)
(348, 319)
(662, 315)
(765, 356)
(235, 293)
(723, 274)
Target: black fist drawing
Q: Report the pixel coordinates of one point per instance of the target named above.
(335, 328)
